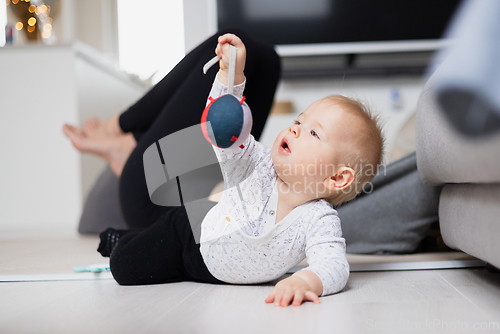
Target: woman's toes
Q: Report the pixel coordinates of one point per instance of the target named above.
(91, 125)
(75, 135)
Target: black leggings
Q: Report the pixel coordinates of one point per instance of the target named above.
(160, 246)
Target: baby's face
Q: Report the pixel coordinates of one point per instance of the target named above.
(309, 151)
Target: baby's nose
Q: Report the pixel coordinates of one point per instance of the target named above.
(294, 129)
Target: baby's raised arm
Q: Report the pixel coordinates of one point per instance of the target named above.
(223, 51)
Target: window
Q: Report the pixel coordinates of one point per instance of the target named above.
(150, 36)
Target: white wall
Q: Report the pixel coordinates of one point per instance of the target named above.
(43, 179)
(40, 185)
(199, 22)
(93, 22)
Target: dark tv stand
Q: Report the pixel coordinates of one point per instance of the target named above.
(352, 64)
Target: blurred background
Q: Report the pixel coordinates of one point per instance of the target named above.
(67, 60)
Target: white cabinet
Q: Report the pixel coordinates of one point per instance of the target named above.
(42, 178)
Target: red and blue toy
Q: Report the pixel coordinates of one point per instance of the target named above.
(226, 121)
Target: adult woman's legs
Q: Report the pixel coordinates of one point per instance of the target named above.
(162, 249)
(163, 253)
(184, 108)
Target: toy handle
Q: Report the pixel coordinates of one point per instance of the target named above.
(232, 67)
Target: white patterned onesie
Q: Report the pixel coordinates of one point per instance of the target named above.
(240, 240)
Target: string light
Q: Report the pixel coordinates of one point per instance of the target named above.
(39, 15)
(41, 10)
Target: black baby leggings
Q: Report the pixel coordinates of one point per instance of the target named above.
(160, 247)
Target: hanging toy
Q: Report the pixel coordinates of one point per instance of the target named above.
(230, 119)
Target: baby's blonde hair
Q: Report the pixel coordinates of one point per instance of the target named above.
(366, 153)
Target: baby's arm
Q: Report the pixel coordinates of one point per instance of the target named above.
(328, 269)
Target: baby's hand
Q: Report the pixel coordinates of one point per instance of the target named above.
(223, 51)
(292, 289)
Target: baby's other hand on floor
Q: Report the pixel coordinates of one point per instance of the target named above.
(292, 290)
(223, 52)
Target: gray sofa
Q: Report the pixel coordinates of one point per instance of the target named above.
(469, 169)
(458, 132)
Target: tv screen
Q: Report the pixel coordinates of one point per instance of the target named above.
(289, 22)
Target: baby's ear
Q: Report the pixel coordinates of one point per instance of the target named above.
(342, 179)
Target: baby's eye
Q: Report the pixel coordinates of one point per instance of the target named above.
(314, 134)
(296, 122)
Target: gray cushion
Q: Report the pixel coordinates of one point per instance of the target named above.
(446, 156)
(395, 216)
(469, 219)
(468, 89)
(102, 208)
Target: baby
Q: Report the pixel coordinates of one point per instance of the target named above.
(283, 210)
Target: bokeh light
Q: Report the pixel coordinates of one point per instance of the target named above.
(31, 21)
(19, 25)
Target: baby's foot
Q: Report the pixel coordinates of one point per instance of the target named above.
(114, 149)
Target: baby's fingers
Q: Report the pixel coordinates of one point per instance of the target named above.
(278, 296)
(270, 298)
(218, 51)
(287, 297)
(309, 295)
(298, 298)
(231, 39)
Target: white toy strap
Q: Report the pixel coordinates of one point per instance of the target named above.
(232, 67)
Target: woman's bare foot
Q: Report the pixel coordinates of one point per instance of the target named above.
(115, 149)
(94, 128)
(91, 125)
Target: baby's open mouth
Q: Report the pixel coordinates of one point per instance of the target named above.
(284, 146)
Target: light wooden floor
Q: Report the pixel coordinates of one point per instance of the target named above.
(380, 302)
(434, 301)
